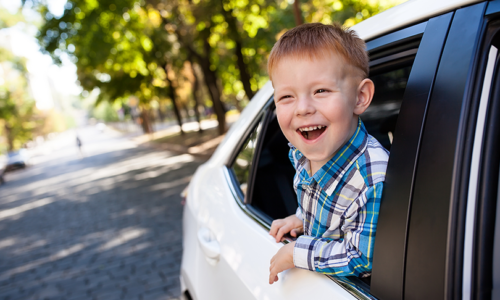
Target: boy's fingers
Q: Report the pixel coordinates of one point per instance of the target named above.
(295, 232)
(283, 230)
(274, 227)
(271, 278)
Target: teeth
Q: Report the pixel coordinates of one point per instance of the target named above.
(311, 128)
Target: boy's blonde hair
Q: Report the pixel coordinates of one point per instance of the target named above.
(317, 40)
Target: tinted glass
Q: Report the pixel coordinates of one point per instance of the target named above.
(243, 162)
(381, 116)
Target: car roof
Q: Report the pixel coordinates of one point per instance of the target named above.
(407, 13)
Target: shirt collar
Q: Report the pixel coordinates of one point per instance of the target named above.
(332, 172)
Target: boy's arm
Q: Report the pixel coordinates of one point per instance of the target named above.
(351, 254)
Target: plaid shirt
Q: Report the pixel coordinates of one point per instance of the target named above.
(339, 206)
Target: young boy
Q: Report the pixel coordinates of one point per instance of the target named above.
(319, 74)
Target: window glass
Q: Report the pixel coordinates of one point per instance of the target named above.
(273, 192)
(243, 163)
(381, 116)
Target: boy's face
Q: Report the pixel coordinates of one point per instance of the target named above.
(317, 104)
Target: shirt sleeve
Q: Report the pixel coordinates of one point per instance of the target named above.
(352, 253)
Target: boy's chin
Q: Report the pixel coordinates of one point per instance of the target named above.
(317, 158)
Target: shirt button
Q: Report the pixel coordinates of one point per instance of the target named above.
(304, 186)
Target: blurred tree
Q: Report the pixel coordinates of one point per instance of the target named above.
(118, 47)
(17, 108)
(139, 47)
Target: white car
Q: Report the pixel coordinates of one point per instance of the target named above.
(437, 108)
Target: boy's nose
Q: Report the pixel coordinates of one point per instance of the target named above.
(304, 106)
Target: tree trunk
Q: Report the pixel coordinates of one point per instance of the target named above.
(161, 115)
(242, 66)
(196, 86)
(171, 90)
(210, 78)
(145, 121)
(186, 111)
(297, 13)
(10, 138)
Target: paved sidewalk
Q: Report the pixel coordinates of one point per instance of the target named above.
(107, 226)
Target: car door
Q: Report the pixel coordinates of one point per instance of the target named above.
(438, 260)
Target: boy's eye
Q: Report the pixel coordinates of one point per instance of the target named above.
(320, 91)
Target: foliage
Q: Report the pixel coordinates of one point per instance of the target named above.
(104, 111)
(16, 106)
(139, 48)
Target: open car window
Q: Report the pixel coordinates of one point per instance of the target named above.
(272, 188)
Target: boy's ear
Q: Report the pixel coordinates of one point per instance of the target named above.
(364, 95)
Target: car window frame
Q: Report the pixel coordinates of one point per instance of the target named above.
(441, 181)
(482, 203)
(390, 245)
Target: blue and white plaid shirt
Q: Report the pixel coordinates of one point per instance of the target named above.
(339, 206)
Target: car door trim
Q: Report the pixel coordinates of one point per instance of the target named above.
(392, 228)
(474, 174)
(393, 57)
(435, 243)
(396, 37)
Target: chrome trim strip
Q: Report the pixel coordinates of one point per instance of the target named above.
(474, 174)
(351, 287)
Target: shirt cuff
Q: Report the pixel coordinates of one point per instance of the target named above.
(298, 214)
(303, 252)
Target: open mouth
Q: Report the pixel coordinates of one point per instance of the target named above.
(311, 132)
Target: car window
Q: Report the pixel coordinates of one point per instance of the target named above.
(381, 116)
(272, 190)
(242, 162)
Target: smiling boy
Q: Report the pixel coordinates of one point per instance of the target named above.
(319, 74)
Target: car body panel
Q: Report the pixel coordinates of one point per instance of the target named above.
(17, 159)
(405, 14)
(246, 250)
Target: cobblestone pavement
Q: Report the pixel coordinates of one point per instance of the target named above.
(106, 226)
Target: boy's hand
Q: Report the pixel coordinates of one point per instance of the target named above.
(290, 224)
(283, 260)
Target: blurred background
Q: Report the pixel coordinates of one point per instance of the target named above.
(106, 109)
